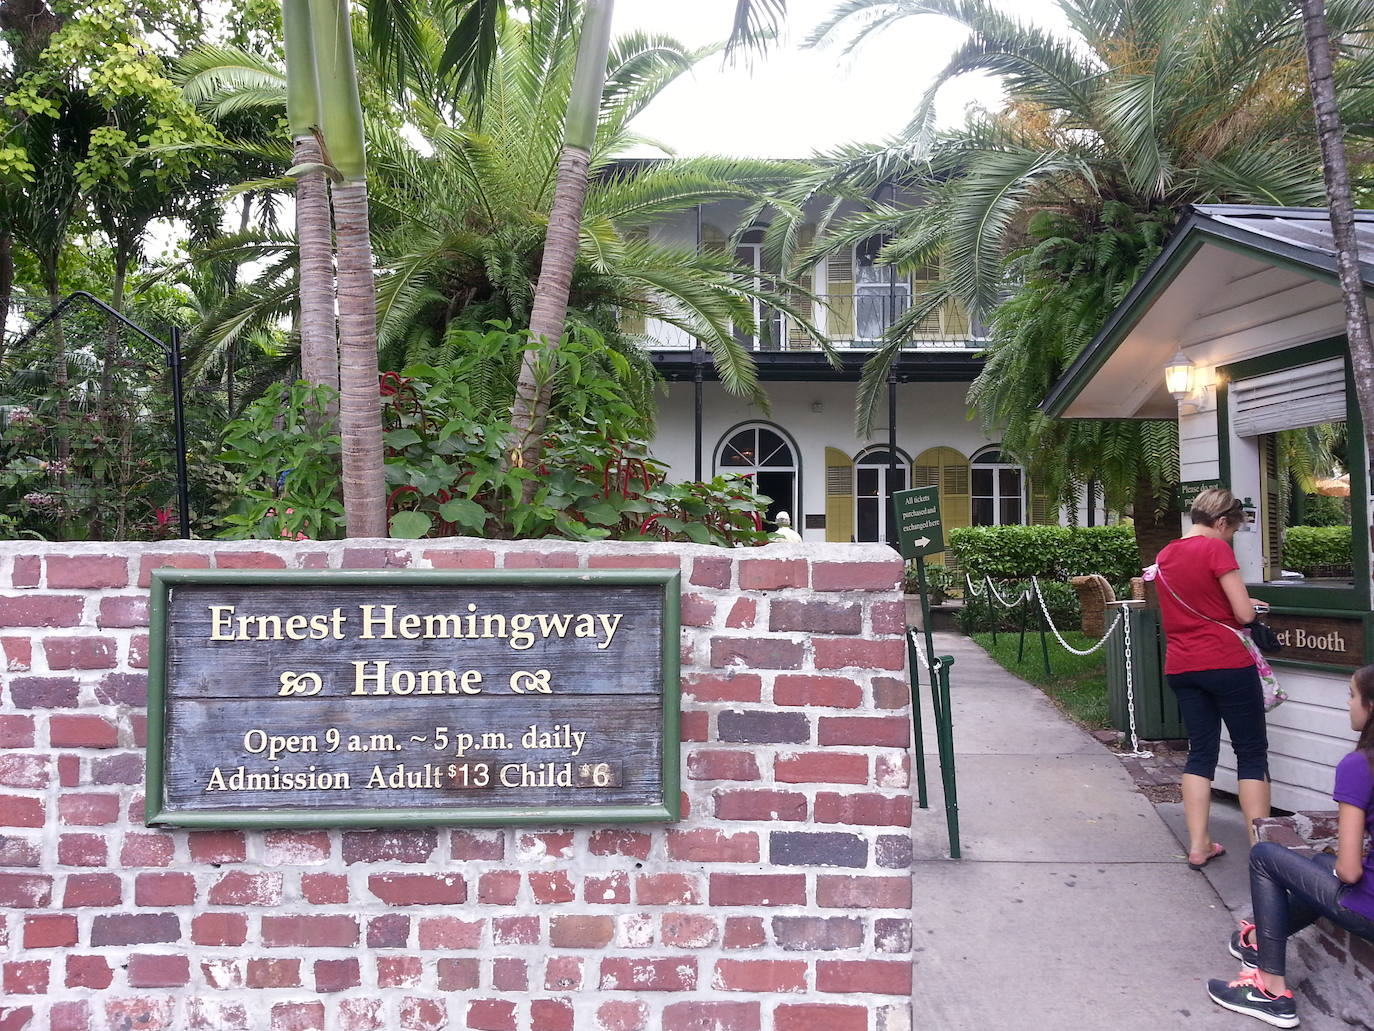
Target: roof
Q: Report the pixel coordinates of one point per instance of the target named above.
(1298, 240)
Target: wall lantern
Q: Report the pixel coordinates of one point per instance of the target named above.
(1193, 388)
(1178, 376)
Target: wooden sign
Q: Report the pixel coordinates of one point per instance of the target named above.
(385, 698)
(919, 531)
(1329, 640)
(1188, 491)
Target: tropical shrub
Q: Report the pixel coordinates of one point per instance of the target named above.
(981, 612)
(1317, 550)
(1047, 552)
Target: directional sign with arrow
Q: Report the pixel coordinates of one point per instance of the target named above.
(919, 531)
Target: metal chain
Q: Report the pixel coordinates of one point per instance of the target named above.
(1060, 637)
(916, 647)
(1136, 750)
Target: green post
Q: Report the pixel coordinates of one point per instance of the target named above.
(1025, 616)
(1044, 641)
(917, 732)
(945, 732)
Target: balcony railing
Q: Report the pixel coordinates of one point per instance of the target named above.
(850, 323)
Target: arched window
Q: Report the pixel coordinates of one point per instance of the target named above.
(876, 477)
(763, 453)
(998, 492)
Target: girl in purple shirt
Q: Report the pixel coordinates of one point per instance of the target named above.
(1290, 891)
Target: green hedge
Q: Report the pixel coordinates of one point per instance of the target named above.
(1048, 552)
(979, 612)
(1312, 550)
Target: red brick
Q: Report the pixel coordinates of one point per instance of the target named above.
(551, 1015)
(413, 889)
(122, 768)
(515, 930)
(138, 726)
(892, 770)
(759, 804)
(722, 764)
(164, 889)
(219, 928)
(498, 887)
(391, 931)
(821, 768)
(88, 809)
(49, 930)
(705, 845)
(151, 849)
(123, 611)
(18, 653)
(310, 931)
(469, 845)
(27, 571)
(248, 560)
(239, 888)
(70, 1016)
(18, 770)
(845, 652)
(449, 932)
(17, 851)
(755, 726)
(274, 973)
(468, 559)
(458, 975)
(88, 972)
(864, 809)
(389, 846)
(25, 891)
(80, 731)
(839, 892)
(545, 844)
(693, 726)
(22, 811)
(742, 614)
(811, 1016)
(540, 560)
(419, 1014)
(298, 1016)
(620, 842)
(138, 651)
(297, 848)
(667, 889)
(85, 572)
(360, 1015)
(581, 932)
(892, 935)
(321, 889)
(889, 731)
(509, 974)
(563, 973)
(641, 561)
(399, 971)
(16, 732)
(818, 933)
(710, 572)
(869, 977)
(826, 692)
(814, 616)
(491, 1015)
(622, 1015)
(80, 652)
(690, 930)
(724, 687)
(740, 889)
(45, 610)
(611, 889)
(93, 889)
(888, 617)
(670, 974)
(216, 847)
(158, 971)
(135, 929)
(375, 558)
(744, 932)
(217, 1015)
(891, 693)
(337, 975)
(27, 977)
(697, 610)
(144, 1012)
(181, 560)
(772, 574)
(45, 692)
(856, 576)
(551, 887)
(69, 770)
(711, 1016)
(759, 975)
(756, 652)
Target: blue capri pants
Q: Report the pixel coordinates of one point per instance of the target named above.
(1210, 697)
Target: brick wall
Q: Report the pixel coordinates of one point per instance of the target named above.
(781, 902)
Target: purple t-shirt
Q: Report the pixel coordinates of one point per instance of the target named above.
(1355, 786)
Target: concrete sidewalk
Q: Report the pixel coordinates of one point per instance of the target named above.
(1073, 907)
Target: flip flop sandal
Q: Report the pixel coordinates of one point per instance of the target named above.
(1217, 852)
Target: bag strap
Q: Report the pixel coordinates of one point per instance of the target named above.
(1159, 575)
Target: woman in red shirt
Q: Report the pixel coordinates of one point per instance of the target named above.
(1203, 603)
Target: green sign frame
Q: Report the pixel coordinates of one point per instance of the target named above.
(917, 534)
(166, 581)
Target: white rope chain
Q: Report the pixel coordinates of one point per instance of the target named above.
(1060, 637)
(916, 647)
(1136, 750)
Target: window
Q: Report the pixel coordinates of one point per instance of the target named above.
(877, 474)
(880, 293)
(998, 490)
(1305, 525)
(763, 454)
(749, 253)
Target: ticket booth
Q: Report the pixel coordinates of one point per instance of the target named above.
(1237, 331)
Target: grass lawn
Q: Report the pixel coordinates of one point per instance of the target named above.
(1078, 684)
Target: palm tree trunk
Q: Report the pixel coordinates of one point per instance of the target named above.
(534, 389)
(1341, 204)
(314, 235)
(6, 285)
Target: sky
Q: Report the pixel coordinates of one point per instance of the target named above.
(795, 101)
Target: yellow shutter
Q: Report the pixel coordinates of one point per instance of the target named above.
(839, 496)
(946, 468)
(839, 291)
(1043, 510)
(797, 339)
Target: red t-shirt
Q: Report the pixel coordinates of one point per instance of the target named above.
(1191, 568)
